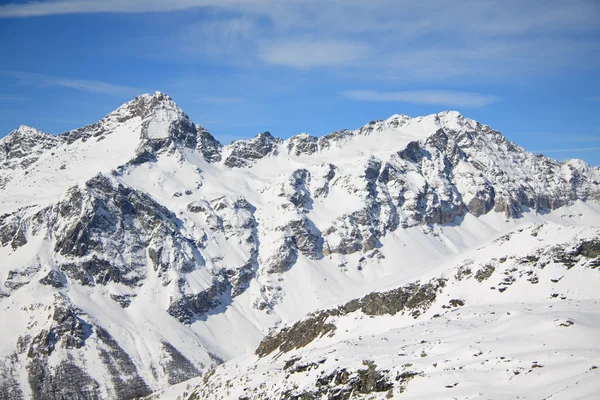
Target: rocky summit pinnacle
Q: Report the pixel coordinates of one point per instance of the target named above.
(139, 252)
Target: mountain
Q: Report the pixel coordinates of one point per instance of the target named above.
(139, 252)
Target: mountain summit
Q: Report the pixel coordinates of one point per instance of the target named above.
(139, 252)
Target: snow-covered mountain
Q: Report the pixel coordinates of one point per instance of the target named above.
(139, 252)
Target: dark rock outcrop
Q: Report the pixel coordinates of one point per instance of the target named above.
(303, 144)
(414, 298)
(242, 153)
(207, 145)
(284, 256)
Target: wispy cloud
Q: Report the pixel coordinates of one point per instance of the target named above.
(64, 7)
(567, 150)
(12, 98)
(434, 97)
(384, 39)
(312, 53)
(593, 98)
(220, 39)
(43, 80)
(61, 7)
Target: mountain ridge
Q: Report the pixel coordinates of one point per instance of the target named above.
(143, 228)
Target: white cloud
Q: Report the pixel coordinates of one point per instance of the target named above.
(434, 97)
(308, 53)
(43, 80)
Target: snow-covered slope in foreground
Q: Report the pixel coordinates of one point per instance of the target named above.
(516, 318)
(138, 252)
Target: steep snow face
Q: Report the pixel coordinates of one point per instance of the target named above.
(138, 251)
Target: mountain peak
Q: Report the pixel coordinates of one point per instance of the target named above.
(148, 103)
(265, 134)
(156, 96)
(26, 131)
(25, 141)
(397, 117)
(450, 114)
(455, 121)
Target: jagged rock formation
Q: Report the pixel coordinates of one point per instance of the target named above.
(143, 228)
(22, 147)
(242, 153)
(207, 145)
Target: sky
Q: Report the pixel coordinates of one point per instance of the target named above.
(529, 69)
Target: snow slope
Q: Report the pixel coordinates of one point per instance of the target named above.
(518, 317)
(138, 252)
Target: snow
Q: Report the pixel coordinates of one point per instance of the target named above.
(522, 324)
(47, 180)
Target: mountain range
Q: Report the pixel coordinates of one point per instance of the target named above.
(411, 257)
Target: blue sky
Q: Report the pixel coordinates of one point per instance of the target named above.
(529, 69)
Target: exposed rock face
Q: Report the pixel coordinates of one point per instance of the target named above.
(208, 145)
(67, 330)
(165, 127)
(361, 229)
(242, 153)
(117, 222)
(163, 124)
(54, 278)
(12, 230)
(23, 147)
(296, 190)
(239, 224)
(456, 170)
(344, 384)
(334, 138)
(328, 172)
(303, 144)
(191, 305)
(284, 256)
(307, 236)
